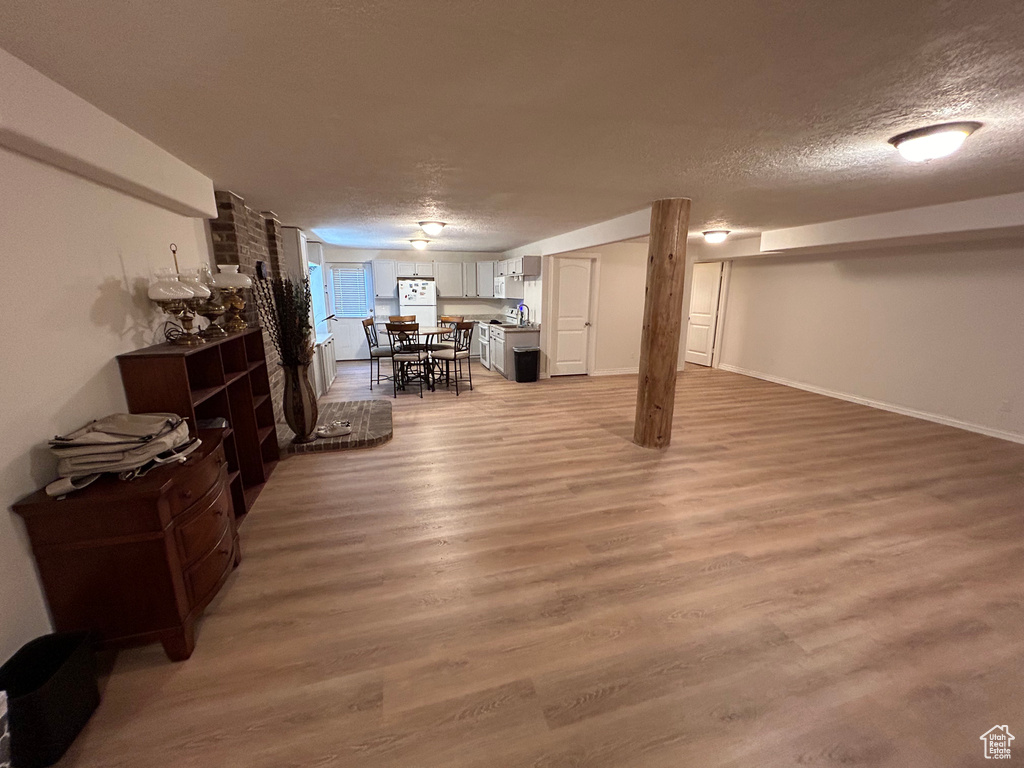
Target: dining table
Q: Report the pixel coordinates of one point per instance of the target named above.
(428, 333)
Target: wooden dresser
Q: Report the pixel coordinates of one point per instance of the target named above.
(137, 562)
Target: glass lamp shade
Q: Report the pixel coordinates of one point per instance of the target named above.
(167, 287)
(230, 277)
(192, 280)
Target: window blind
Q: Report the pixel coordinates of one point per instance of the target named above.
(351, 298)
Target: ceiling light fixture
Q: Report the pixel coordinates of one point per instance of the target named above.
(716, 235)
(432, 227)
(419, 243)
(933, 141)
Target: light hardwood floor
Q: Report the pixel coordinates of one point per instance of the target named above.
(797, 580)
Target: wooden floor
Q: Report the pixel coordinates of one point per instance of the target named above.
(510, 582)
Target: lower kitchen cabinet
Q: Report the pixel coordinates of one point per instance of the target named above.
(503, 343)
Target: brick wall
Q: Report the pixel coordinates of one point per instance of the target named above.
(243, 236)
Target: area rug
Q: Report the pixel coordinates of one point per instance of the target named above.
(370, 420)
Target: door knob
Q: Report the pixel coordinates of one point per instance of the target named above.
(586, 325)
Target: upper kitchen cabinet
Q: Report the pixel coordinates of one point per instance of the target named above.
(385, 278)
(449, 280)
(501, 268)
(485, 274)
(469, 287)
(415, 269)
(524, 266)
(295, 261)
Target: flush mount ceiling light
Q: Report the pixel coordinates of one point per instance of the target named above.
(716, 235)
(432, 227)
(933, 141)
(419, 243)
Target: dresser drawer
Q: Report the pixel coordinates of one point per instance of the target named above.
(195, 481)
(204, 577)
(202, 530)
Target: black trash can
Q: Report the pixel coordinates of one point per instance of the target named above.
(51, 694)
(527, 363)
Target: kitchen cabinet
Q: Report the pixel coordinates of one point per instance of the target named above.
(385, 278)
(449, 279)
(501, 268)
(525, 266)
(503, 343)
(498, 349)
(485, 279)
(415, 269)
(469, 287)
(325, 365)
(295, 258)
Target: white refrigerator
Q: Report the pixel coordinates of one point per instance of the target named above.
(418, 296)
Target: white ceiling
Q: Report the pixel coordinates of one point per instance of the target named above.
(520, 120)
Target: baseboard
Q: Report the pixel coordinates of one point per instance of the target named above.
(621, 371)
(934, 417)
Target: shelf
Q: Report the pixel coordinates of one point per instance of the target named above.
(250, 497)
(232, 476)
(233, 376)
(265, 432)
(205, 393)
(257, 364)
(259, 400)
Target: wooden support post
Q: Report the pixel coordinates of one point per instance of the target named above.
(663, 319)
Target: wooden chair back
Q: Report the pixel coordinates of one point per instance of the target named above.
(450, 320)
(463, 336)
(401, 318)
(404, 337)
(371, 333)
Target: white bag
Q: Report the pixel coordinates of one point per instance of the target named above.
(125, 443)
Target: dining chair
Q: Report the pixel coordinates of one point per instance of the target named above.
(408, 358)
(454, 357)
(401, 318)
(376, 350)
(449, 321)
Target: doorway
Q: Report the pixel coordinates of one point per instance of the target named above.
(703, 323)
(571, 336)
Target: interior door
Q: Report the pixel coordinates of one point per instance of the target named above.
(572, 326)
(700, 331)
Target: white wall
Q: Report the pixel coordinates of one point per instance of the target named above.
(77, 259)
(934, 331)
(620, 307)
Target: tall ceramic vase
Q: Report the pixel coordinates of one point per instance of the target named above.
(300, 408)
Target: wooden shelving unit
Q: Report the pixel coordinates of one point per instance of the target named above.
(225, 378)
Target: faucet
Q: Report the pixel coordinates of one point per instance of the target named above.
(521, 308)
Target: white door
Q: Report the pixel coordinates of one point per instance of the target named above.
(353, 303)
(572, 323)
(700, 331)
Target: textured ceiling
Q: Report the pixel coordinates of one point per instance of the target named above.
(520, 120)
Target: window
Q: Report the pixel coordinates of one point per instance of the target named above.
(351, 290)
